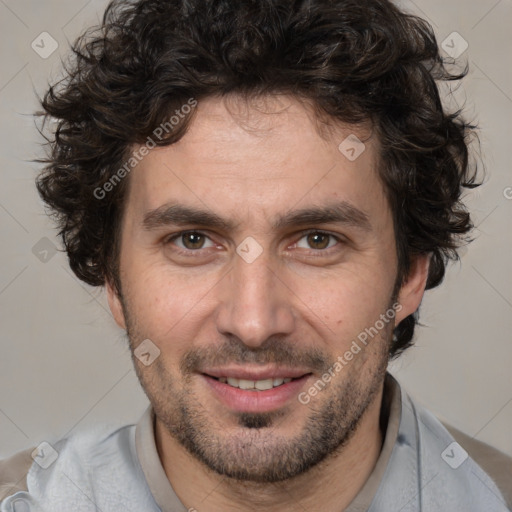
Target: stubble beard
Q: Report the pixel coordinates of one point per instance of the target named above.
(253, 450)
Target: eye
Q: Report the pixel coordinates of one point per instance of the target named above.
(317, 240)
(191, 240)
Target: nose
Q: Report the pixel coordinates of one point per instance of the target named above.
(255, 303)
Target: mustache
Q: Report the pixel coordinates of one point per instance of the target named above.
(273, 351)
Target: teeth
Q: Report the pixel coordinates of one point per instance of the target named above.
(258, 385)
(262, 385)
(246, 384)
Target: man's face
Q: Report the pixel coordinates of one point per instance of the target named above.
(292, 257)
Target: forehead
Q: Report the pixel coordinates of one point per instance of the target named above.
(245, 157)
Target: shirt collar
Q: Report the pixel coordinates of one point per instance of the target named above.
(147, 453)
(390, 422)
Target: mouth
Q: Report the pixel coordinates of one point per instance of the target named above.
(254, 385)
(246, 390)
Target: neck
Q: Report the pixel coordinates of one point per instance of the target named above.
(329, 486)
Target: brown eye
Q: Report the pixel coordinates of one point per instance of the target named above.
(318, 240)
(190, 244)
(192, 240)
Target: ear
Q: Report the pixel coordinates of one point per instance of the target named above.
(413, 288)
(115, 305)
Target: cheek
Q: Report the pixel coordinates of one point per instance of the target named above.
(344, 305)
(166, 307)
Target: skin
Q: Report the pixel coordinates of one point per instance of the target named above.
(301, 302)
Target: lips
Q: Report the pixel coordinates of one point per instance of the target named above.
(255, 379)
(256, 374)
(254, 385)
(255, 389)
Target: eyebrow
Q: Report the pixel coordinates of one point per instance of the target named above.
(181, 215)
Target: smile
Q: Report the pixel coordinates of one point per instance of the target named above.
(254, 385)
(255, 390)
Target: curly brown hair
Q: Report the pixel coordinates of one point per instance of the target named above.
(354, 60)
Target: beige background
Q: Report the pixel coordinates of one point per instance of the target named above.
(64, 364)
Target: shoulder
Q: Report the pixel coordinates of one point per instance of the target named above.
(456, 478)
(13, 473)
(59, 468)
(495, 463)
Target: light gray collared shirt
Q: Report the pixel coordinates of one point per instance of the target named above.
(420, 469)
